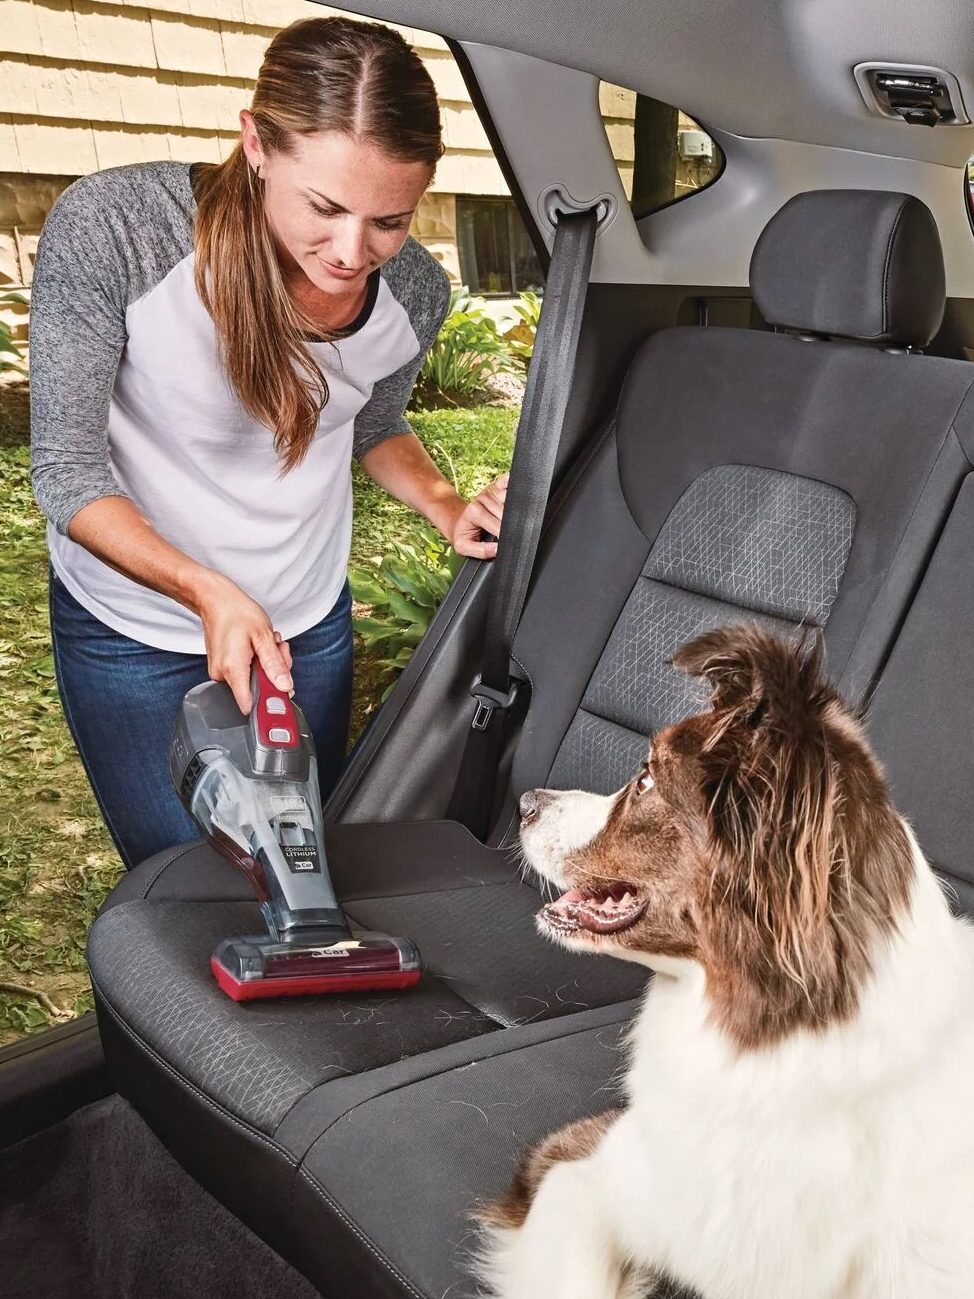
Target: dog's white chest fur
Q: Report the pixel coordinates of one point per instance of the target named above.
(833, 1165)
(837, 1165)
(799, 1121)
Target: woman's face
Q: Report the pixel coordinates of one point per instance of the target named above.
(337, 207)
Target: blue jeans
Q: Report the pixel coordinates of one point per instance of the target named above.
(121, 700)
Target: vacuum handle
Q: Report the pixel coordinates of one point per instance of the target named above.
(272, 716)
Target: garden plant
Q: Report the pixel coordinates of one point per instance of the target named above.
(57, 861)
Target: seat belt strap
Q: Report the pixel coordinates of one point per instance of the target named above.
(538, 438)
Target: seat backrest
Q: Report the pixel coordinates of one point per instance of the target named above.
(794, 477)
(921, 717)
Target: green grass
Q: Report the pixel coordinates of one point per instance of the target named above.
(471, 447)
(56, 859)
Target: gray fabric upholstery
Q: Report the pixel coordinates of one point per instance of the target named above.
(854, 264)
(741, 543)
(151, 962)
(375, 1160)
(748, 474)
(921, 717)
(485, 967)
(767, 541)
(832, 414)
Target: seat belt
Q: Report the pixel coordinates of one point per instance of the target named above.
(536, 446)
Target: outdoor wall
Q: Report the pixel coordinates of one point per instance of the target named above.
(86, 85)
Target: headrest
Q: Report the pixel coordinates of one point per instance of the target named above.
(857, 263)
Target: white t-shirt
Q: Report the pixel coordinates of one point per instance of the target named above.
(145, 409)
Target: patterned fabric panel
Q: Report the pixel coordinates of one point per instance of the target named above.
(150, 961)
(741, 544)
(597, 755)
(634, 691)
(772, 542)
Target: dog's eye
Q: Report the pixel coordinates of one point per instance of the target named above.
(644, 781)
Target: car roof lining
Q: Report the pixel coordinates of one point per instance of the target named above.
(778, 69)
(708, 237)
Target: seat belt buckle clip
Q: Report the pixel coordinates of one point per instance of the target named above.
(488, 701)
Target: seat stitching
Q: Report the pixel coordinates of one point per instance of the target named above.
(187, 1084)
(788, 615)
(179, 851)
(884, 323)
(268, 1141)
(524, 1046)
(427, 893)
(357, 1231)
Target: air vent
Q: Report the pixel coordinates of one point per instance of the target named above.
(919, 96)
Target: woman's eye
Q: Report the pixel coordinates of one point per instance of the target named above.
(379, 225)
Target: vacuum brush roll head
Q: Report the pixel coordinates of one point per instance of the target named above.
(248, 969)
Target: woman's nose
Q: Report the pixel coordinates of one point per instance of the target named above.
(348, 246)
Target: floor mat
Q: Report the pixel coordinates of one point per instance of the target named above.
(96, 1208)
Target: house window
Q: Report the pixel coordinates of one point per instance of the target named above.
(497, 257)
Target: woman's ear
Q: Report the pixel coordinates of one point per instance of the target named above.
(250, 140)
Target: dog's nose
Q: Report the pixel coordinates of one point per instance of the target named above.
(530, 804)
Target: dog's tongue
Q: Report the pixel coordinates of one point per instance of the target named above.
(573, 895)
(600, 912)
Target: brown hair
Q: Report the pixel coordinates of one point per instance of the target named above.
(319, 74)
(810, 862)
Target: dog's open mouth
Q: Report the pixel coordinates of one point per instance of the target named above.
(607, 910)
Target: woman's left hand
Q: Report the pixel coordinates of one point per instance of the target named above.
(482, 514)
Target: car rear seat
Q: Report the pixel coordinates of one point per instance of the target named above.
(793, 476)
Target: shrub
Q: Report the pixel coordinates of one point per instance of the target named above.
(8, 346)
(520, 337)
(467, 351)
(403, 594)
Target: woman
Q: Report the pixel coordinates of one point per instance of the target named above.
(209, 347)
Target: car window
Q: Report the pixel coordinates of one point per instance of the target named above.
(172, 89)
(663, 155)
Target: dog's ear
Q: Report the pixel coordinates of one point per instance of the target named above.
(807, 856)
(756, 676)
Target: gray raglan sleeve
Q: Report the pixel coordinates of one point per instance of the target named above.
(77, 335)
(384, 414)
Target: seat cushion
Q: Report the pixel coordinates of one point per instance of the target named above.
(251, 1097)
(473, 920)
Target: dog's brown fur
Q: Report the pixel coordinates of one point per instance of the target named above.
(575, 1141)
(808, 862)
(768, 851)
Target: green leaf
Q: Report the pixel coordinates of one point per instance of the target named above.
(406, 581)
(365, 588)
(404, 608)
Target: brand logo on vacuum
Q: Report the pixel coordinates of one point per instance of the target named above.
(301, 857)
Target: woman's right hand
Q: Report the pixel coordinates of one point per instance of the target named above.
(236, 629)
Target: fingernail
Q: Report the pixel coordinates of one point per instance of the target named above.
(283, 682)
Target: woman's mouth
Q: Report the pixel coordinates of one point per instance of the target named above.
(341, 272)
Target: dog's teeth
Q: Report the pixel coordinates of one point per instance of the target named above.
(626, 897)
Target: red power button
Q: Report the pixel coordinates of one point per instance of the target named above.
(277, 726)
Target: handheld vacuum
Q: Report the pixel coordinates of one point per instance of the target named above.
(251, 785)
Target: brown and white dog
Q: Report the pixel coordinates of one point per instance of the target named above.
(800, 1095)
